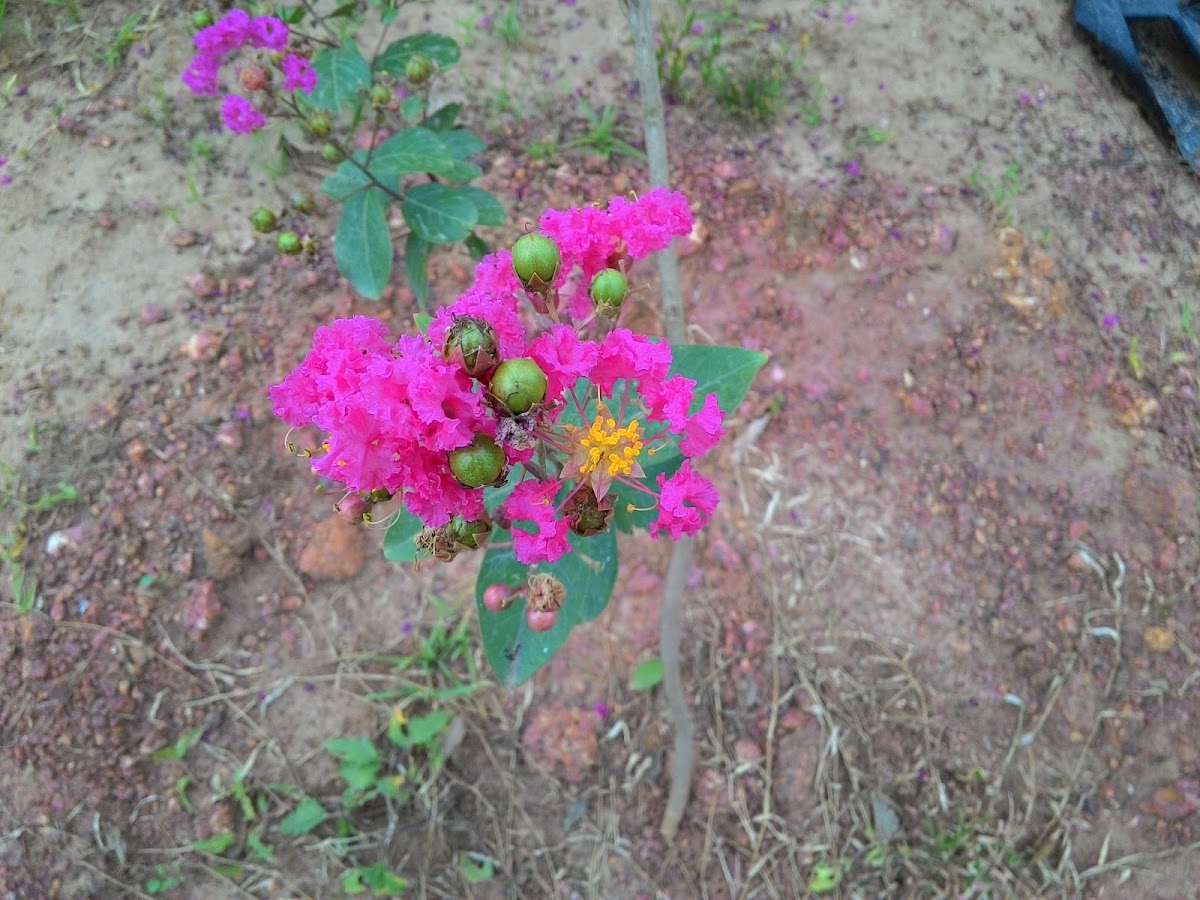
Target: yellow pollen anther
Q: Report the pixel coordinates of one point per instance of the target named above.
(616, 447)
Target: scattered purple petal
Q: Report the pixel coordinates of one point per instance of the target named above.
(849, 18)
(853, 169)
(601, 709)
(1111, 321)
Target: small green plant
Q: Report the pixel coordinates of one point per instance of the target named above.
(1001, 190)
(602, 138)
(874, 135)
(544, 149)
(1187, 313)
(812, 108)
(509, 27)
(126, 35)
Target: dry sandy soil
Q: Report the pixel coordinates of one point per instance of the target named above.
(942, 639)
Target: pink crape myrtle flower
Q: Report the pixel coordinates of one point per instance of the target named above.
(584, 236)
(201, 75)
(298, 74)
(240, 116)
(533, 501)
(225, 36)
(267, 33)
(686, 502)
(495, 276)
(649, 223)
(564, 358)
(624, 354)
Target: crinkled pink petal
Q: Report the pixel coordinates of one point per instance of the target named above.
(584, 236)
(624, 354)
(240, 116)
(267, 33)
(649, 223)
(564, 358)
(704, 430)
(495, 276)
(298, 74)
(226, 35)
(668, 401)
(533, 501)
(686, 502)
(202, 74)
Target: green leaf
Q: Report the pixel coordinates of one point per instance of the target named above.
(414, 149)
(259, 848)
(356, 751)
(588, 573)
(441, 49)
(398, 543)
(824, 879)
(380, 879)
(217, 844)
(359, 776)
(725, 371)
(422, 321)
(444, 118)
(341, 73)
(363, 246)
(182, 745)
(649, 674)
(475, 871)
(344, 10)
(416, 266)
(438, 213)
(491, 211)
(461, 143)
(423, 731)
(308, 814)
(349, 178)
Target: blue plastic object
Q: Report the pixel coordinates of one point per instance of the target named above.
(1146, 65)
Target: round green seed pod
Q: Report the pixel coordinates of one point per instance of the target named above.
(290, 243)
(478, 464)
(536, 261)
(517, 384)
(263, 220)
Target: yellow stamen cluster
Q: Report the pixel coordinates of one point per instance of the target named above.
(610, 446)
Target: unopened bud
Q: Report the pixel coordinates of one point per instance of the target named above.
(471, 343)
(518, 384)
(479, 464)
(608, 291)
(262, 220)
(419, 69)
(290, 243)
(536, 261)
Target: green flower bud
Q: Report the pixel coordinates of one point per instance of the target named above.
(536, 262)
(201, 18)
(518, 384)
(479, 464)
(419, 69)
(262, 220)
(380, 95)
(471, 535)
(332, 154)
(319, 126)
(585, 514)
(608, 291)
(471, 343)
(290, 243)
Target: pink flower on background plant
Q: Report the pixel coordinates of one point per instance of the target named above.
(240, 116)
(267, 33)
(649, 223)
(225, 36)
(669, 401)
(686, 502)
(704, 430)
(201, 75)
(298, 74)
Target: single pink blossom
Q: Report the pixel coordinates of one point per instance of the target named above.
(564, 358)
(584, 236)
(298, 74)
(649, 223)
(669, 401)
(686, 502)
(201, 75)
(224, 36)
(624, 354)
(704, 430)
(533, 501)
(267, 33)
(240, 116)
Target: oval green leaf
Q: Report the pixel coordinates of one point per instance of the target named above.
(363, 245)
(439, 213)
(649, 674)
(341, 73)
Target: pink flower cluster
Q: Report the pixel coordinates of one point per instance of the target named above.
(395, 409)
(235, 30)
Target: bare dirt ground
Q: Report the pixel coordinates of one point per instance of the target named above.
(942, 639)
